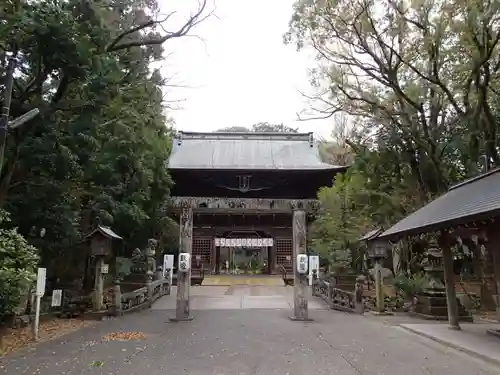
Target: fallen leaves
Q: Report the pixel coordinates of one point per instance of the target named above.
(124, 336)
(96, 364)
(15, 339)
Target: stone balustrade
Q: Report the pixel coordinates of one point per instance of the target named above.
(339, 299)
(138, 299)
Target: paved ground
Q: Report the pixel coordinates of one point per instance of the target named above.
(471, 339)
(268, 280)
(239, 297)
(245, 341)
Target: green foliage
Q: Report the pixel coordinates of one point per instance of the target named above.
(97, 152)
(410, 286)
(373, 65)
(359, 201)
(417, 83)
(18, 261)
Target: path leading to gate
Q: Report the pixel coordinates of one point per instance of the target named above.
(236, 297)
(239, 340)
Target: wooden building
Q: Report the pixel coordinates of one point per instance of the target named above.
(469, 211)
(235, 196)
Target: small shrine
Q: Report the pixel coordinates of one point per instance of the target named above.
(101, 250)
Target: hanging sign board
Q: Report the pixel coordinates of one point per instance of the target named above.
(244, 242)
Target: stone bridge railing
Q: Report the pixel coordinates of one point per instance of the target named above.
(339, 299)
(137, 299)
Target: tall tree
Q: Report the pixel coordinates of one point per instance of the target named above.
(97, 154)
(418, 76)
(420, 81)
(59, 45)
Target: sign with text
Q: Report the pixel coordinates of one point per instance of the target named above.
(56, 298)
(40, 281)
(168, 264)
(105, 269)
(244, 242)
(313, 265)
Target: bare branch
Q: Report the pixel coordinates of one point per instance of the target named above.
(193, 21)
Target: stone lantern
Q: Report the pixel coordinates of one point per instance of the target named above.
(433, 267)
(431, 301)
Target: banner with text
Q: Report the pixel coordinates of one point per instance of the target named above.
(244, 242)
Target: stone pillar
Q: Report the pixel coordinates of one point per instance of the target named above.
(379, 288)
(183, 309)
(99, 284)
(358, 295)
(300, 286)
(449, 278)
(159, 273)
(314, 282)
(149, 286)
(117, 298)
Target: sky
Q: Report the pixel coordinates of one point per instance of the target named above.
(235, 69)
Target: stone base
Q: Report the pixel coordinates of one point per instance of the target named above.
(463, 319)
(184, 319)
(433, 306)
(382, 313)
(493, 332)
(299, 319)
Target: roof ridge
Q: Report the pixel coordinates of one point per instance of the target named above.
(244, 135)
(475, 178)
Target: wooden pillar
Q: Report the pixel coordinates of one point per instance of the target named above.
(449, 278)
(493, 247)
(213, 255)
(271, 258)
(183, 309)
(300, 286)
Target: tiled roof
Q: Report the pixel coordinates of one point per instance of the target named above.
(371, 234)
(473, 199)
(249, 151)
(105, 231)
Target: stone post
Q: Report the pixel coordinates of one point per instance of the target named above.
(300, 284)
(330, 292)
(117, 298)
(359, 304)
(149, 286)
(379, 290)
(183, 309)
(159, 273)
(314, 282)
(449, 278)
(169, 277)
(99, 285)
